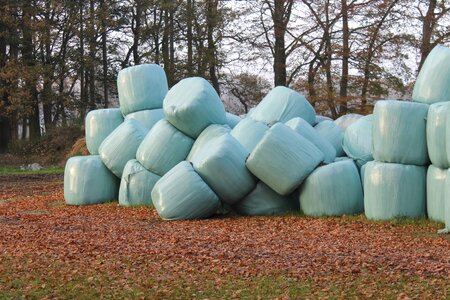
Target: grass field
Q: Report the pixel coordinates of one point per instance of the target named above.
(51, 250)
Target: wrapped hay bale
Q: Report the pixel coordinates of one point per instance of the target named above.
(332, 190)
(432, 82)
(436, 193)
(282, 104)
(208, 137)
(399, 132)
(148, 117)
(136, 185)
(357, 142)
(263, 201)
(192, 105)
(182, 194)
(346, 120)
(99, 124)
(88, 181)
(222, 166)
(249, 132)
(436, 137)
(163, 148)
(141, 87)
(394, 190)
(307, 131)
(283, 159)
(232, 120)
(446, 206)
(121, 145)
(333, 134)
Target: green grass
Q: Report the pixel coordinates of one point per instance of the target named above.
(58, 281)
(14, 170)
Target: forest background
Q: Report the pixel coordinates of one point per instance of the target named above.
(60, 59)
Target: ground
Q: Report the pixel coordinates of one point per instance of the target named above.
(51, 250)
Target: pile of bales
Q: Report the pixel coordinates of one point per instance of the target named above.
(179, 151)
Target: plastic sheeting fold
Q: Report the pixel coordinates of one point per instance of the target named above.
(207, 137)
(99, 124)
(432, 82)
(192, 105)
(357, 142)
(88, 181)
(436, 193)
(136, 185)
(148, 117)
(307, 131)
(263, 201)
(283, 159)
(141, 87)
(282, 104)
(249, 132)
(333, 134)
(182, 194)
(332, 190)
(399, 132)
(163, 148)
(121, 145)
(394, 190)
(346, 120)
(232, 120)
(436, 137)
(222, 167)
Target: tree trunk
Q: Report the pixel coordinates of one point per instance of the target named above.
(345, 59)
(427, 29)
(189, 35)
(82, 61)
(211, 25)
(92, 49)
(28, 57)
(280, 23)
(104, 53)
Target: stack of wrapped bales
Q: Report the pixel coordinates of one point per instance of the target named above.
(113, 141)
(395, 183)
(432, 87)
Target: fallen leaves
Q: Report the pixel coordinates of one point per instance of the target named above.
(71, 241)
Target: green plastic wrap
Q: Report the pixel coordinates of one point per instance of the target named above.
(346, 120)
(121, 145)
(232, 120)
(394, 190)
(136, 185)
(432, 82)
(141, 87)
(436, 137)
(88, 181)
(333, 134)
(207, 137)
(283, 159)
(192, 105)
(148, 117)
(307, 131)
(362, 171)
(332, 190)
(447, 205)
(99, 124)
(263, 201)
(222, 167)
(163, 148)
(357, 142)
(436, 193)
(249, 132)
(399, 132)
(282, 104)
(182, 194)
